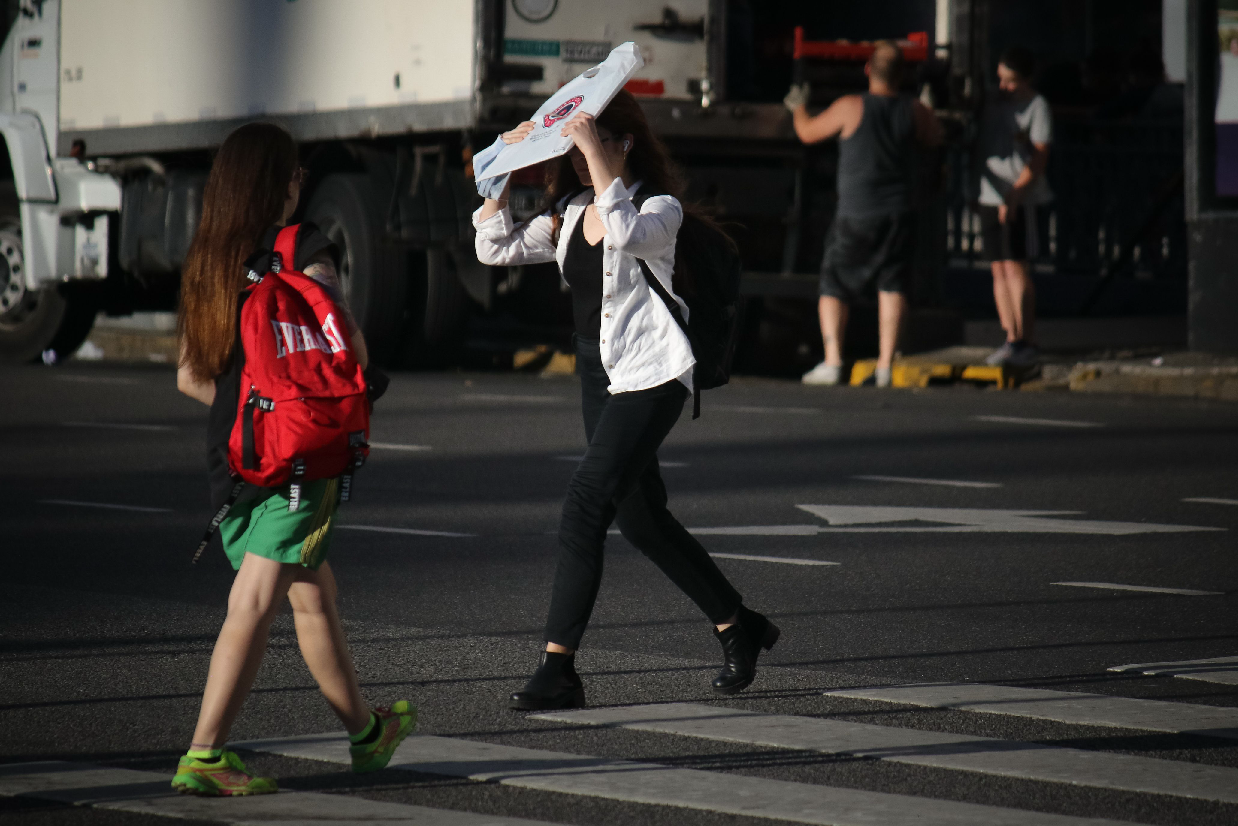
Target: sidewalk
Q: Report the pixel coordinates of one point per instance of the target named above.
(141, 337)
(1193, 375)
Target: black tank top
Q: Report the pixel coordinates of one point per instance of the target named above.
(582, 269)
(876, 164)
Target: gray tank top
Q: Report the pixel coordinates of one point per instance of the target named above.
(876, 164)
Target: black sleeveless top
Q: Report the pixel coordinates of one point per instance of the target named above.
(582, 270)
(876, 164)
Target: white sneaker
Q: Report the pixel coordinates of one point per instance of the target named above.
(884, 376)
(827, 374)
(1001, 354)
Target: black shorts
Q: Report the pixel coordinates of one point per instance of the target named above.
(1015, 240)
(863, 253)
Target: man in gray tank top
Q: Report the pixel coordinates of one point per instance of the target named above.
(872, 238)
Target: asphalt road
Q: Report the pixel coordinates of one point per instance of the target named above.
(946, 567)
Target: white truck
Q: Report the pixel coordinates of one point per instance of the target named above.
(109, 110)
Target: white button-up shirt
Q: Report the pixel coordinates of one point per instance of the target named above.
(641, 345)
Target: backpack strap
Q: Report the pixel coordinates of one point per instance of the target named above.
(285, 249)
(676, 313)
(217, 519)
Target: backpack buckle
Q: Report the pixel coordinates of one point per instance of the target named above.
(253, 276)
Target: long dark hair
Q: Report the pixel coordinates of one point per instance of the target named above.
(648, 159)
(244, 196)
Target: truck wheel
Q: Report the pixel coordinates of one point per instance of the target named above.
(57, 317)
(438, 309)
(373, 273)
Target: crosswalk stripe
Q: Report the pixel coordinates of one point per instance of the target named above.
(1072, 707)
(987, 755)
(150, 793)
(655, 784)
(1222, 670)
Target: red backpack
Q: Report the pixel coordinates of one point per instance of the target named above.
(303, 413)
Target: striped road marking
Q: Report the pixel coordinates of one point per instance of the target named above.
(661, 462)
(785, 560)
(1208, 500)
(98, 379)
(1222, 670)
(660, 785)
(870, 519)
(1076, 708)
(109, 506)
(909, 480)
(749, 408)
(394, 446)
(121, 426)
(509, 397)
(1147, 589)
(406, 531)
(1008, 758)
(1043, 422)
(150, 793)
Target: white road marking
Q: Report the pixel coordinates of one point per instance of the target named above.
(1222, 670)
(868, 519)
(1045, 422)
(1076, 708)
(655, 784)
(661, 463)
(749, 408)
(508, 397)
(953, 483)
(1208, 500)
(408, 531)
(121, 426)
(394, 446)
(98, 379)
(1114, 586)
(150, 793)
(760, 530)
(986, 755)
(785, 560)
(107, 505)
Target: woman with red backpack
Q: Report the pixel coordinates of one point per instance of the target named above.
(636, 370)
(278, 550)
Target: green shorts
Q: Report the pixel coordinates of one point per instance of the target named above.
(260, 523)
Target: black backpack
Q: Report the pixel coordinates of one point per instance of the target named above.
(707, 274)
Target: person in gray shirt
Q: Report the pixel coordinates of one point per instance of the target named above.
(872, 239)
(1014, 150)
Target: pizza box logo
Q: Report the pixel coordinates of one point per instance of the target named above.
(566, 108)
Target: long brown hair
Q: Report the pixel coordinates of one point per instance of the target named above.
(648, 159)
(244, 196)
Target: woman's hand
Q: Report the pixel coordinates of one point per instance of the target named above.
(603, 169)
(583, 130)
(519, 133)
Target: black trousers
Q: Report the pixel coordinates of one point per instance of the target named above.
(619, 481)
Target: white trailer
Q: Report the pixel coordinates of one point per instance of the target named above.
(109, 110)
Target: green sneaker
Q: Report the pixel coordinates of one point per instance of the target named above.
(219, 778)
(396, 723)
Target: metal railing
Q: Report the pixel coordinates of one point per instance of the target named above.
(1117, 208)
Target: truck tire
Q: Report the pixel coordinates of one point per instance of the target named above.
(32, 321)
(438, 311)
(373, 273)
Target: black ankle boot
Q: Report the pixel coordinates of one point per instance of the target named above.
(555, 684)
(741, 644)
